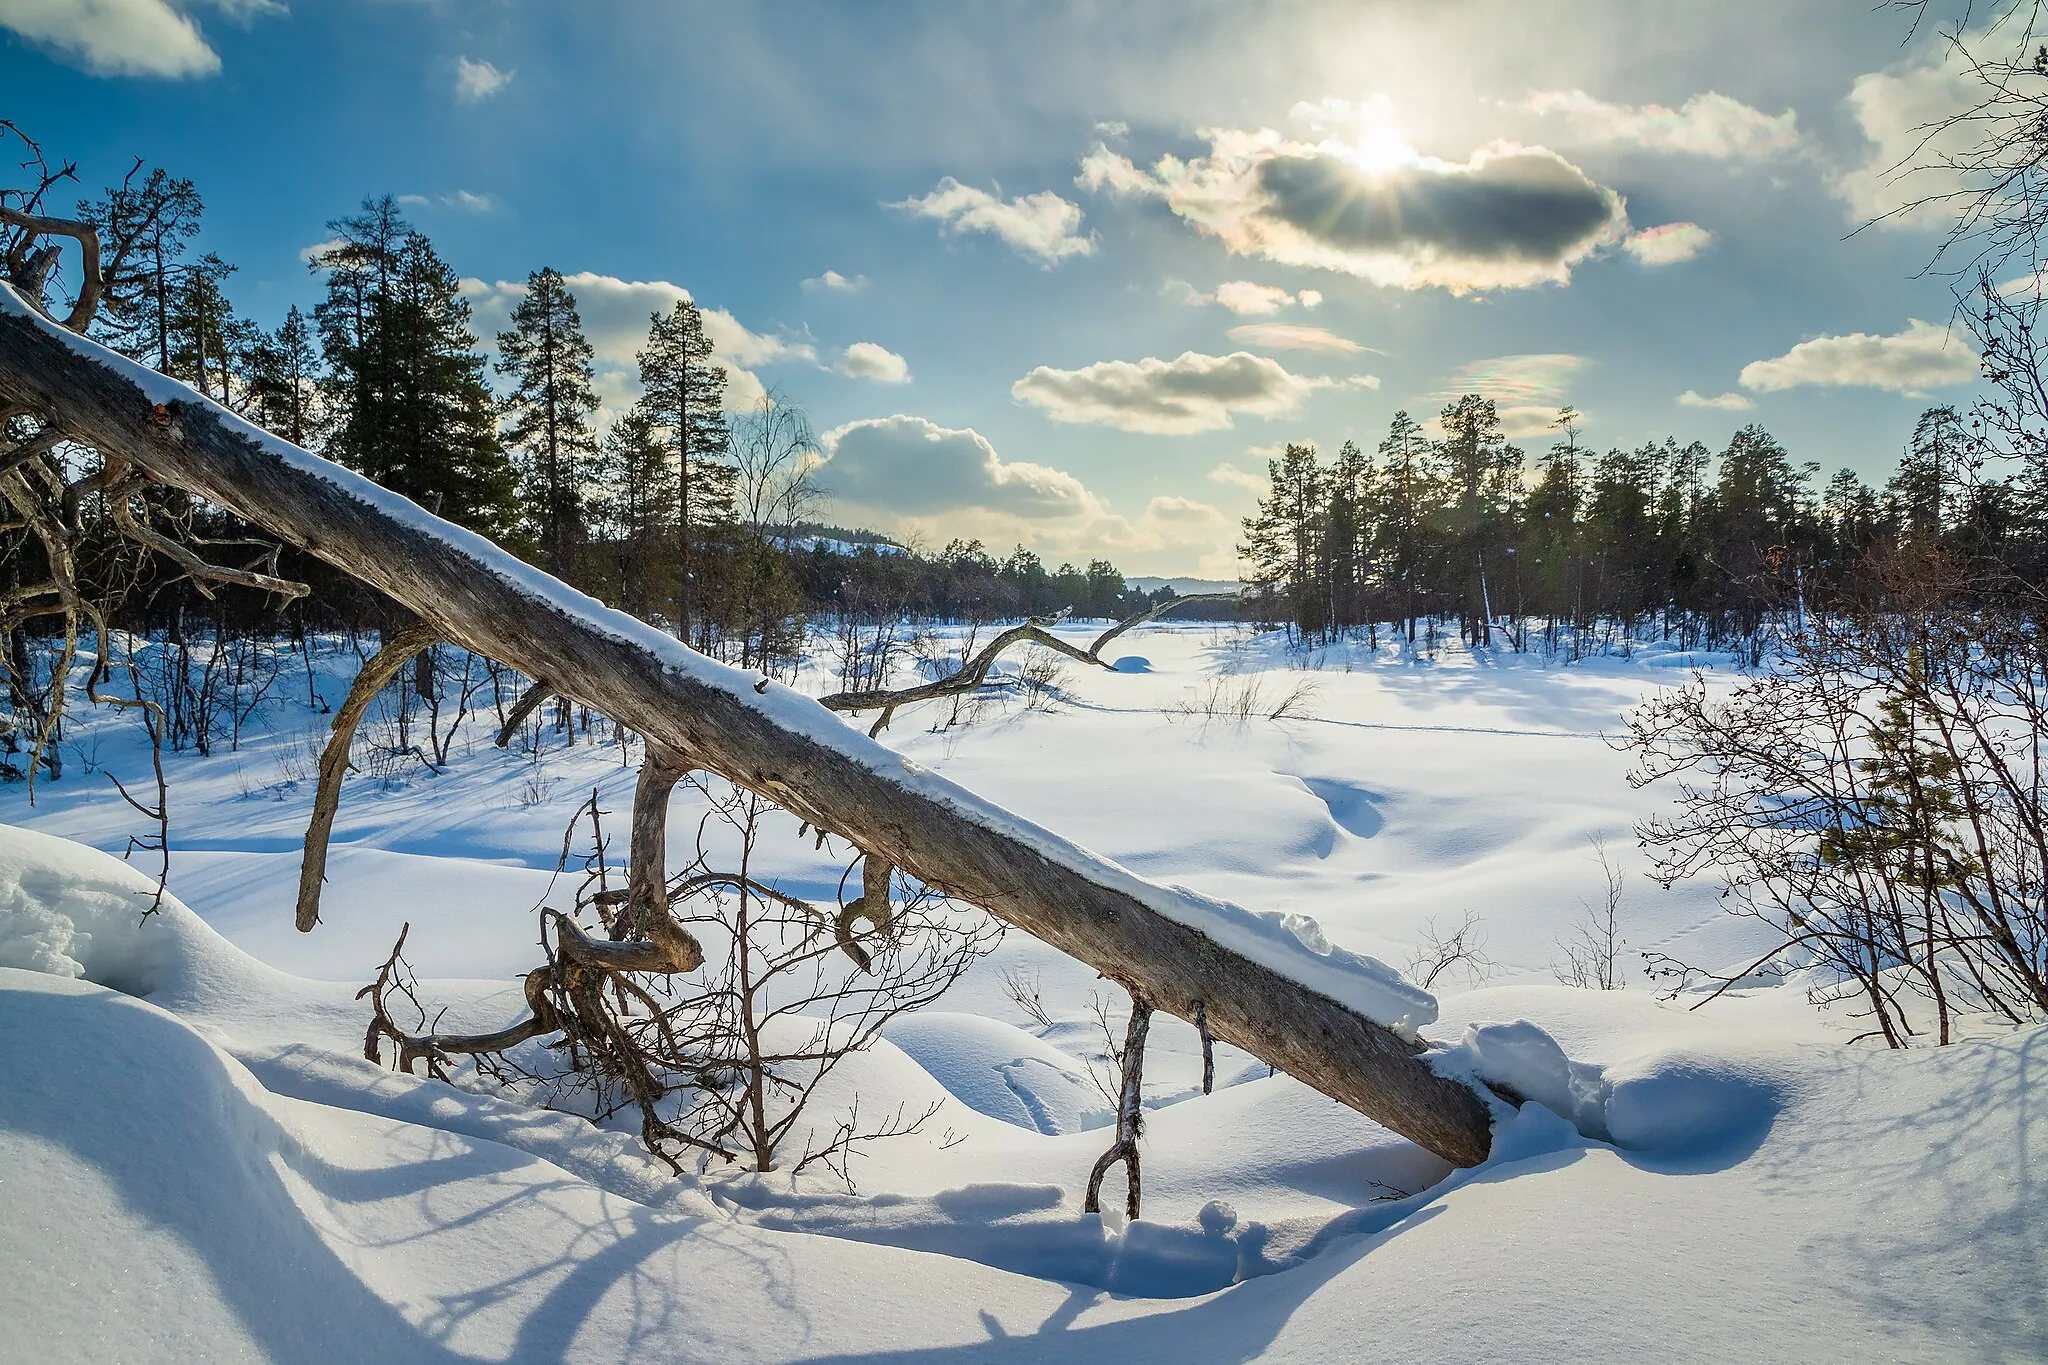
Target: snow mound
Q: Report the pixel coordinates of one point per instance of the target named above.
(1000, 1070)
(70, 910)
(1132, 663)
(142, 1160)
(1523, 1059)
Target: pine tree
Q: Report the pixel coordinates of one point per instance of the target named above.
(284, 380)
(1284, 538)
(1484, 473)
(1551, 535)
(209, 347)
(1407, 499)
(1924, 493)
(158, 219)
(684, 399)
(1621, 521)
(407, 384)
(1346, 551)
(547, 357)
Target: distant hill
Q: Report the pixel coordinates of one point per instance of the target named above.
(1183, 586)
(818, 530)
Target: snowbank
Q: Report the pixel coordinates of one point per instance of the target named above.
(70, 910)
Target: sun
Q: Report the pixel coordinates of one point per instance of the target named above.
(1380, 149)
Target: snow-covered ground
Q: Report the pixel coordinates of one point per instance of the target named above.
(198, 1163)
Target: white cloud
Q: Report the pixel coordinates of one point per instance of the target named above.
(1172, 508)
(616, 314)
(1668, 243)
(1247, 299)
(1041, 225)
(1289, 336)
(1509, 217)
(837, 283)
(1112, 129)
(116, 37)
(1191, 393)
(1725, 402)
(907, 474)
(1895, 108)
(465, 200)
(1332, 114)
(1911, 362)
(913, 467)
(310, 254)
(1231, 476)
(1712, 124)
(476, 81)
(1527, 390)
(866, 360)
(1243, 297)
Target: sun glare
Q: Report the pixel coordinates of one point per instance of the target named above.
(1380, 149)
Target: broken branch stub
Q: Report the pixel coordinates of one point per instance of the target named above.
(483, 598)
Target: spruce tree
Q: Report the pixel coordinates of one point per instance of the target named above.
(684, 398)
(413, 410)
(547, 357)
(284, 380)
(634, 508)
(1484, 472)
(209, 347)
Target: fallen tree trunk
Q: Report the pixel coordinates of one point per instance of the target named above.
(1166, 944)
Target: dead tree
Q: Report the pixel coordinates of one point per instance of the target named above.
(749, 731)
(973, 673)
(1130, 1111)
(382, 667)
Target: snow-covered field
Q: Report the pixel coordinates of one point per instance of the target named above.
(197, 1163)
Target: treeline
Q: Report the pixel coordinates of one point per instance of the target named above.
(1703, 547)
(681, 511)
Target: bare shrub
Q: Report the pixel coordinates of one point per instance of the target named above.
(1594, 948)
(1241, 697)
(726, 1065)
(1024, 992)
(1039, 680)
(1440, 951)
(1880, 802)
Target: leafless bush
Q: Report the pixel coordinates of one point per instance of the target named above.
(869, 649)
(1023, 992)
(725, 1066)
(1298, 703)
(786, 1000)
(1594, 948)
(1878, 802)
(1039, 680)
(1240, 697)
(1439, 951)
(536, 783)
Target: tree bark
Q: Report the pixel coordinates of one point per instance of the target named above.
(489, 602)
(378, 670)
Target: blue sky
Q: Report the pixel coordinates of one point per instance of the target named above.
(1088, 263)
